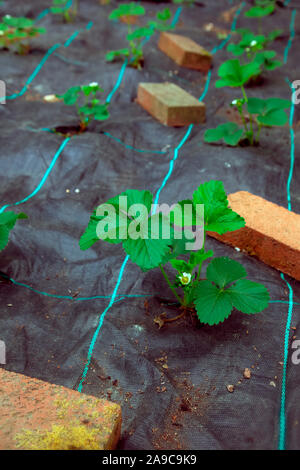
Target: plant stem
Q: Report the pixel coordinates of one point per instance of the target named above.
(251, 130)
(251, 118)
(170, 285)
(243, 119)
(244, 93)
(258, 133)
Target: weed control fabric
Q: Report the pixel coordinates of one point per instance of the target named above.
(92, 320)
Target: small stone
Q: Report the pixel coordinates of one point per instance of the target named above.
(247, 373)
(230, 388)
(273, 383)
(51, 98)
(77, 190)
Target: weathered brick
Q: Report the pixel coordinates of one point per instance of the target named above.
(38, 415)
(170, 104)
(185, 52)
(272, 232)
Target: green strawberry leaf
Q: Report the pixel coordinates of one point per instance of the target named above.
(71, 96)
(248, 296)
(112, 55)
(223, 271)
(7, 223)
(4, 234)
(270, 112)
(181, 266)
(217, 216)
(111, 220)
(140, 33)
(260, 11)
(149, 251)
(213, 305)
(230, 132)
(199, 256)
(127, 9)
(164, 15)
(275, 117)
(233, 74)
(101, 112)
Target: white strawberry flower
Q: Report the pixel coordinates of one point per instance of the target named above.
(234, 102)
(253, 43)
(185, 278)
(93, 84)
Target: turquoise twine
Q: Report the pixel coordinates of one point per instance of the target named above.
(101, 320)
(75, 299)
(133, 148)
(102, 317)
(100, 297)
(292, 35)
(118, 83)
(43, 180)
(292, 163)
(282, 418)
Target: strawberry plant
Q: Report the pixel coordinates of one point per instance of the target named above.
(15, 33)
(261, 9)
(189, 2)
(88, 105)
(255, 113)
(66, 8)
(136, 37)
(129, 219)
(253, 48)
(7, 223)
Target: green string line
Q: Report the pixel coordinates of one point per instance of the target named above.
(43, 180)
(70, 297)
(133, 148)
(292, 35)
(282, 417)
(97, 297)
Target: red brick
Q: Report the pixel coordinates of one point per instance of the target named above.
(170, 104)
(272, 232)
(38, 415)
(185, 52)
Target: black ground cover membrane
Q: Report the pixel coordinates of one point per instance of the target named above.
(171, 382)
